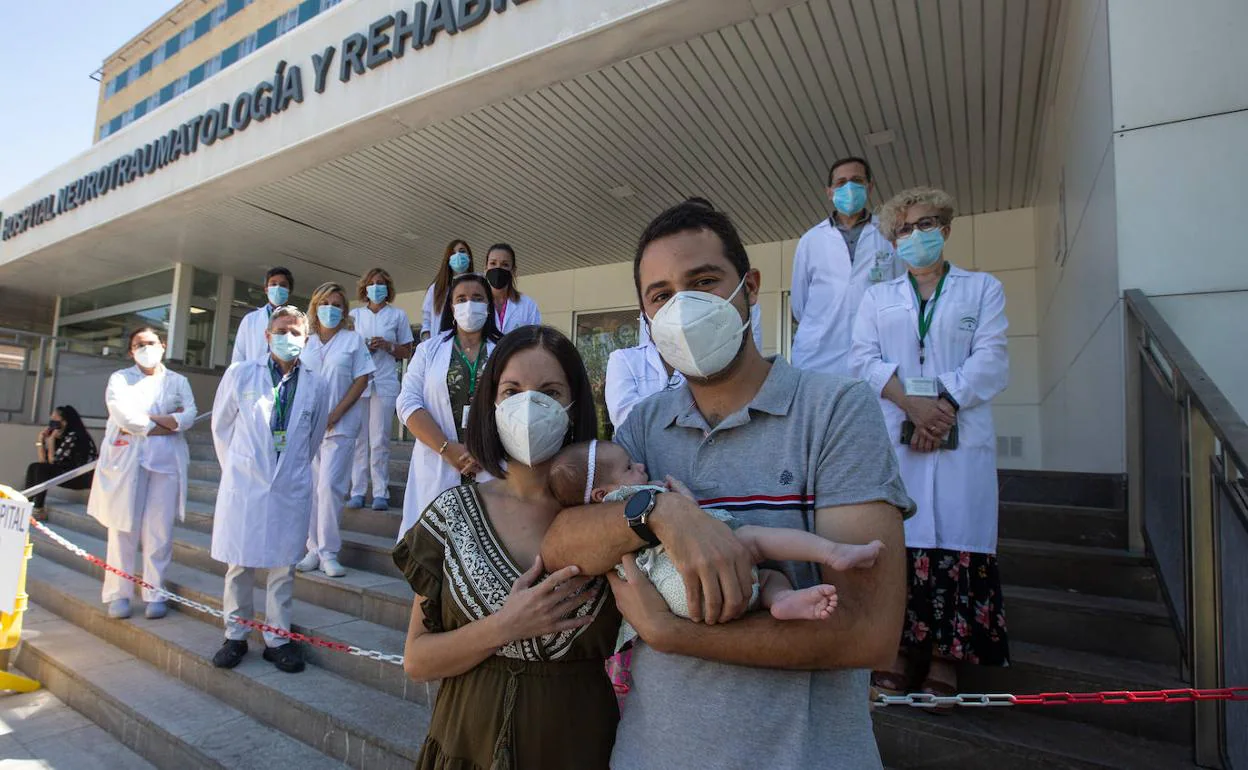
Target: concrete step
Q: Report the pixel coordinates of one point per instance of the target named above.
(206, 468)
(1126, 628)
(385, 599)
(1078, 568)
(346, 720)
(1070, 525)
(309, 619)
(1016, 737)
(40, 731)
(169, 723)
(205, 491)
(1036, 668)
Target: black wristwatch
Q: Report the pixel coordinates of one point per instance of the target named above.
(637, 512)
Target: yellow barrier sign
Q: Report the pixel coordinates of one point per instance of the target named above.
(15, 550)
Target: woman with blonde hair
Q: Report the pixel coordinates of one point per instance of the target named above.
(388, 334)
(338, 354)
(932, 344)
(456, 261)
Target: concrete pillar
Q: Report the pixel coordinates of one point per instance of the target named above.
(180, 310)
(220, 354)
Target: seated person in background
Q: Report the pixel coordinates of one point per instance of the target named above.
(62, 446)
(600, 471)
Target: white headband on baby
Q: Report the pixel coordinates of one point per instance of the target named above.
(589, 476)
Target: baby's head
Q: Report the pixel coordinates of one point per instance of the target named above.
(572, 483)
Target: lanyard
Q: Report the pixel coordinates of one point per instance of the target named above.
(502, 315)
(280, 407)
(472, 365)
(925, 318)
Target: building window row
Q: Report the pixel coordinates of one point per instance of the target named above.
(201, 26)
(240, 49)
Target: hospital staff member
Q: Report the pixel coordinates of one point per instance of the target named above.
(249, 342)
(836, 261)
(339, 356)
(388, 334)
(932, 344)
(456, 261)
(268, 420)
(511, 308)
(140, 479)
(437, 393)
(638, 372)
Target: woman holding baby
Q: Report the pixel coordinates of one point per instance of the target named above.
(520, 653)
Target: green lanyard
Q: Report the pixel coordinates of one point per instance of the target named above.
(472, 365)
(925, 318)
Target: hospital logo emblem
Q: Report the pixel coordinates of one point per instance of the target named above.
(968, 323)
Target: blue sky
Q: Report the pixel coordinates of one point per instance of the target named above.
(48, 50)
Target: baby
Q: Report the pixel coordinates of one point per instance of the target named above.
(602, 472)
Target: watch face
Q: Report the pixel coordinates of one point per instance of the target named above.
(638, 503)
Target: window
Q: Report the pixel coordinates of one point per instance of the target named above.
(202, 25)
(172, 46)
(308, 9)
(212, 66)
(218, 14)
(266, 34)
(247, 45)
(287, 21)
(181, 84)
(139, 109)
(166, 93)
(153, 102)
(143, 287)
(186, 37)
(597, 335)
(145, 65)
(158, 56)
(327, 4)
(107, 336)
(229, 55)
(114, 125)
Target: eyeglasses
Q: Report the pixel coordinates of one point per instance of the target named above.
(926, 224)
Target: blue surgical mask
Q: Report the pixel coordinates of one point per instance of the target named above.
(329, 316)
(287, 346)
(850, 198)
(277, 295)
(377, 293)
(459, 262)
(921, 249)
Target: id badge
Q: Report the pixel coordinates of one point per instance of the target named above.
(876, 275)
(463, 421)
(922, 386)
(279, 440)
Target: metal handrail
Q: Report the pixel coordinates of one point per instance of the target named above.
(1190, 379)
(84, 469)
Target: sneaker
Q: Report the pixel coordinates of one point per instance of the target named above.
(356, 501)
(381, 504)
(230, 654)
(119, 609)
(288, 657)
(156, 610)
(332, 568)
(309, 562)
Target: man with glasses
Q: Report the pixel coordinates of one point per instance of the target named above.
(836, 262)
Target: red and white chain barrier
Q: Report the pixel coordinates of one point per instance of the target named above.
(915, 700)
(204, 608)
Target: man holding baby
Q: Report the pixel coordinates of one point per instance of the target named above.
(773, 446)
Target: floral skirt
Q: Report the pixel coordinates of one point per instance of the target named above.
(954, 607)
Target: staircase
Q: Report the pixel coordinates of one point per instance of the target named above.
(1083, 615)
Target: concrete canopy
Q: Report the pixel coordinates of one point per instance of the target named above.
(562, 126)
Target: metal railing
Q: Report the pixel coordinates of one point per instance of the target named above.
(23, 385)
(1187, 456)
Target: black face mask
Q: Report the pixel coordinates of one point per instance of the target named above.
(55, 424)
(499, 277)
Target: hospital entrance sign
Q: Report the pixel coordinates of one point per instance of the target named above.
(385, 40)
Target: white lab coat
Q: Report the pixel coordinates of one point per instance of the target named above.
(424, 387)
(249, 343)
(521, 312)
(956, 490)
(389, 323)
(264, 502)
(430, 317)
(339, 362)
(132, 396)
(830, 287)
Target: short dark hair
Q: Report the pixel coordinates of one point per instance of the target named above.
(130, 340)
(693, 215)
(280, 271)
(482, 440)
(846, 160)
(447, 324)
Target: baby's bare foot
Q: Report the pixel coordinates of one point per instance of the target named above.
(814, 603)
(843, 556)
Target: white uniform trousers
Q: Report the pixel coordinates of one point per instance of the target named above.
(375, 440)
(331, 473)
(157, 498)
(239, 599)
